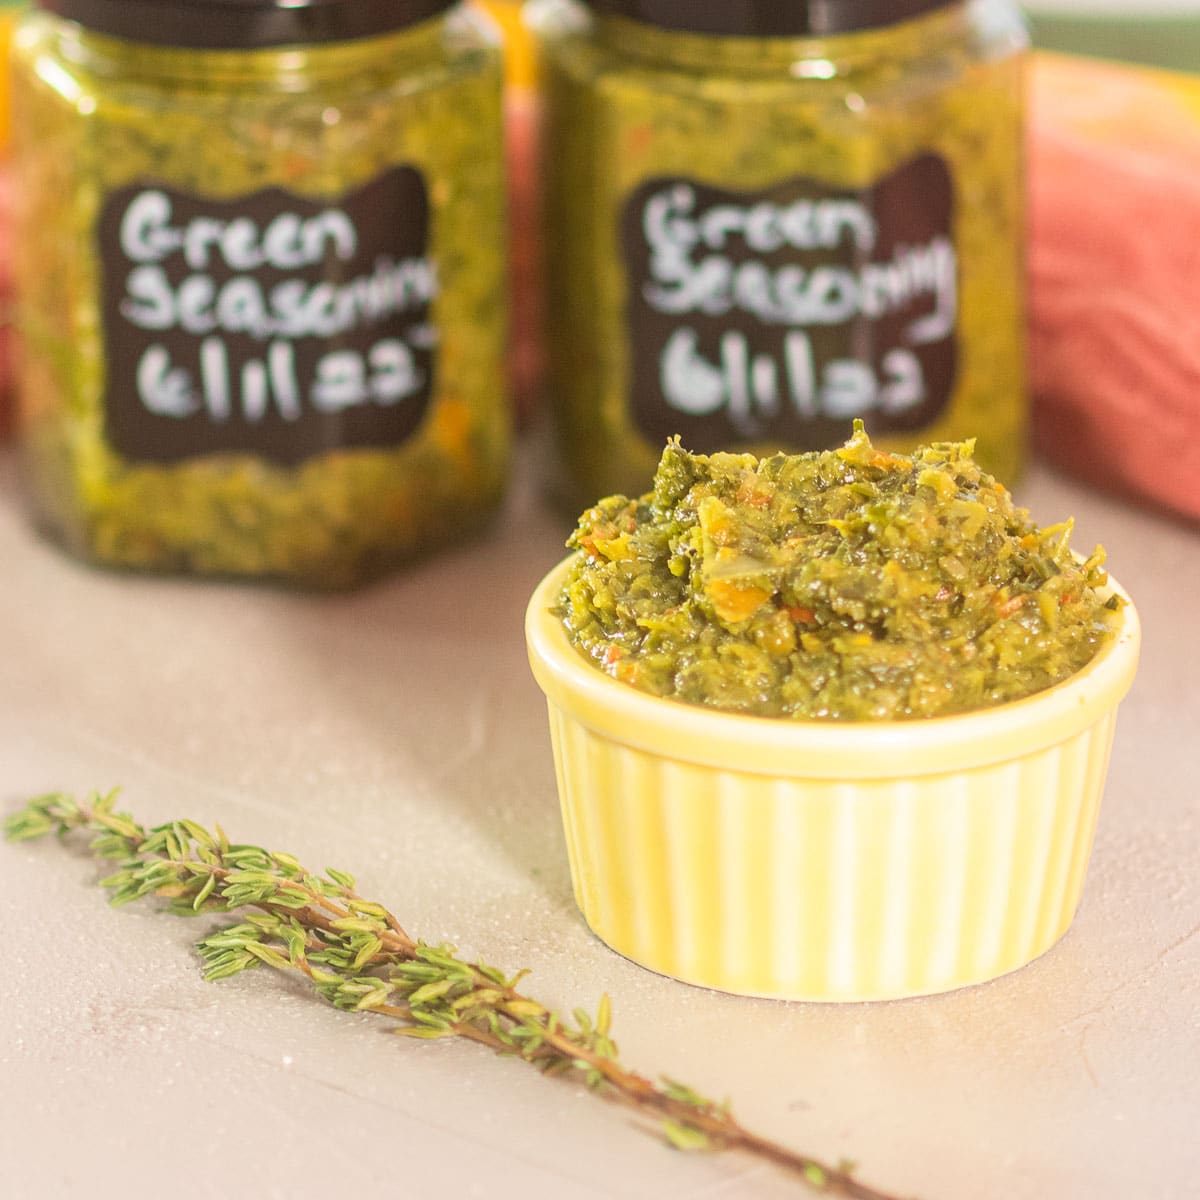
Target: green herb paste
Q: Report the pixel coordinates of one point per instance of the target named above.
(851, 584)
(96, 115)
(627, 103)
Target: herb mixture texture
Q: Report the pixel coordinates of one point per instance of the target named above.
(850, 584)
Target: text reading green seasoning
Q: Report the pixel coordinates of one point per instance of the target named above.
(851, 584)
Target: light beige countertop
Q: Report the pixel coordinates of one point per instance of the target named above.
(397, 733)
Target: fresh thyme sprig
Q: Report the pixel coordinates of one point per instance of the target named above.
(360, 959)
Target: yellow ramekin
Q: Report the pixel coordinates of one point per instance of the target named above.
(811, 861)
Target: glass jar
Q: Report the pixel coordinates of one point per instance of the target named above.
(261, 275)
(763, 220)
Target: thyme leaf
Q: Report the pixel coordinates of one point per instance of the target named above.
(359, 958)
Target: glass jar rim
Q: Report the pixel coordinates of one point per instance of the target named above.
(243, 24)
(769, 18)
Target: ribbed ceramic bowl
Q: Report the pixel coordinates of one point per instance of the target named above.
(816, 861)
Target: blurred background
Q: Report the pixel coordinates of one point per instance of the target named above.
(1161, 33)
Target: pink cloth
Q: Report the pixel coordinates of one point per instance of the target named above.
(1114, 276)
(525, 342)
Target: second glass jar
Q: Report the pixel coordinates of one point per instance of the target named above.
(762, 221)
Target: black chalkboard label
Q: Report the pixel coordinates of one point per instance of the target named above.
(778, 316)
(271, 324)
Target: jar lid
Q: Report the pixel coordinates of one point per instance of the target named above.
(769, 18)
(243, 24)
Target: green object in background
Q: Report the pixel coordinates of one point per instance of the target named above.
(1166, 36)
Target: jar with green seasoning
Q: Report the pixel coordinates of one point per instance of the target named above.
(765, 219)
(261, 275)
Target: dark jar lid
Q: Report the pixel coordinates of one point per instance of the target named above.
(244, 24)
(770, 18)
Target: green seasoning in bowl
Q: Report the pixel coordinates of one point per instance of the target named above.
(261, 263)
(851, 584)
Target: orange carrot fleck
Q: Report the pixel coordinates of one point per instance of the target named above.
(1013, 604)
